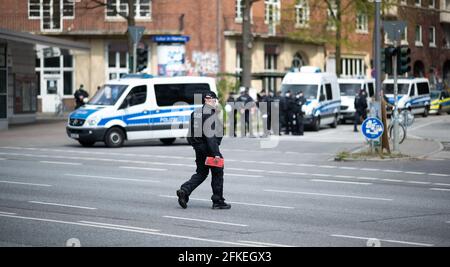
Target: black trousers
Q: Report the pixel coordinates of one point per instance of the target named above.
(299, 126)
(201, 174)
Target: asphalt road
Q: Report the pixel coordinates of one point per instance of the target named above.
(54, 192)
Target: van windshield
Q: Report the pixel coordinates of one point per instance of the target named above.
(309, 90)
(349, 89)
(108, 95)
(388, 88)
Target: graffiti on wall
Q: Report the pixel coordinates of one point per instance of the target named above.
(204, 63)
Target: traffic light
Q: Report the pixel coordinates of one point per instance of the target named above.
(386, 59)
(403, 60)
(141, 58)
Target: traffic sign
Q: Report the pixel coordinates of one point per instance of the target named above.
(136, 33)
(372, 128)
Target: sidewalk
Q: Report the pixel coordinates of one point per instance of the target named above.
(51, 116)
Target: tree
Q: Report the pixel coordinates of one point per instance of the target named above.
(247, 43)
(128, 16)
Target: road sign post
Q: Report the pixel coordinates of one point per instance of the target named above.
(135, 34)
(372, 128)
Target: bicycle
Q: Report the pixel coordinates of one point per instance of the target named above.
(405, 119)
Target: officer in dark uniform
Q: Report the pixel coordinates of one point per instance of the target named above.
(80, 95)
(300, 100)
(290, 112)
(244, 99)
(266, 115)
(205, 136)
(232, 115)
(360, 108)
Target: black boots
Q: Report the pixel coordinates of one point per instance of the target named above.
(222, 205)
(183, 198)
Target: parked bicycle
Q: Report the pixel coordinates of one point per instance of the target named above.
(405, 119)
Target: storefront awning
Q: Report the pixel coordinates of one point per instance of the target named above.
(43, 40)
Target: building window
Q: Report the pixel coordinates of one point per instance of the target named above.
(353, 66)
(362, 23)
(302, 13)
(331, 16)
(432, 37)
(418, 3)
(403, 2)
(239, 11)
(272, 11)
(34, 9)
(270, 65)
(432, 4)
(419, 35)
(68, 8)
(117, 61)
(115, 8)
(404, 37)
(3, 82)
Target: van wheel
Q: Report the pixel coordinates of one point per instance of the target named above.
(167, 141)
(316, 124)
(335, 122)
(86, 143)
(114, 137)
(426, 112)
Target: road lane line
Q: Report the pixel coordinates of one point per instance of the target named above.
(207, 221)
(370, 169)
(127, 230)
(417, 182)
(120, 226)
(112, 178)
(440, 184)
(277, 172)
(62, 205)
(440, 189)
(385, 240)
(327, 195)
(348, 168)
(20, 183)
(392, 171)
(244, 175)
(2, 159)
(344, 176)
(143, 169)
(320, 175)
(7, 213)
(60, 162)
(339, 182)
(439, 174)
(264, 244)
(392, 180)
(367, 178)
(238, 203)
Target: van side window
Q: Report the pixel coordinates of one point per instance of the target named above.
(423, 88)
(329, 91)
(322, 93)
(169, 94)
(137, 95)
(371, 89)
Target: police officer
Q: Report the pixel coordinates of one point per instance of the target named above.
(266, 99)
(244, 99)
(300, 100)
(232, 114)
(290, 101)
(80, 95)
(360, 108)
(205, 136)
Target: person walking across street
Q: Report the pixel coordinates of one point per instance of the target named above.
(205, 136)
(80, 96)
(360, 108)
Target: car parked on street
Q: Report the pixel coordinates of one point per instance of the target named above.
(440, 102)
(349, 87)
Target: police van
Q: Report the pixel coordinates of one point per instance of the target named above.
(413, 94)
(321, 90)
(139, 107)
(349, 87)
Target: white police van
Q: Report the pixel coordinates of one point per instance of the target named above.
(413, 94)
(139, 107)
(321, 90)
(349, 87)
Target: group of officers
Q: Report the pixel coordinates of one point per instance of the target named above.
(289, 105)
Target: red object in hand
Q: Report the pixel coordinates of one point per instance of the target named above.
(214, 162)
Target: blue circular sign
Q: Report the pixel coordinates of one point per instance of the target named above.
(372, 128)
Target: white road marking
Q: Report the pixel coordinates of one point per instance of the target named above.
(62, 205)
(370, 169)
(112, 178)
(367, 178)
(264, 244)
(7, 213)
(143, 169)
(440, 184)
(320, 175)
(327, 195)
(328, 166)
(440, 189)
(392, 171)
(339, 182)
(348, 168)
(385, 240)
(277, 172)
(344, 176)
(121, 226)
(207, 221)
(61, 163)
(392, 180)
(439, 174)
(243, 175)
(238, 203)
(417, 182)
(20, 183)
(127, 229)
(2, 159)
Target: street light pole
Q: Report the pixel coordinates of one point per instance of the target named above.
(377, 61)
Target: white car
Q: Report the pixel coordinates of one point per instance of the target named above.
(349, 87)
(139, 107)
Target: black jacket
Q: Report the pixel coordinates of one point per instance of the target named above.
(201, 137)
(360, 103)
